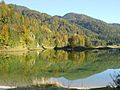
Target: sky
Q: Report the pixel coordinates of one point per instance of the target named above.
(106, 10)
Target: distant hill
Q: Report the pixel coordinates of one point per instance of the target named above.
(106, 31)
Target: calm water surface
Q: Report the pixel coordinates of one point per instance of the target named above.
(81, 70)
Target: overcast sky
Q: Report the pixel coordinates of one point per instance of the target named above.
(106, 10)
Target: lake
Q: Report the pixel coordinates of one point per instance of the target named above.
(80, 70)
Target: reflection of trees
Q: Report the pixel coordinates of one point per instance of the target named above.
(25, 67)
(61, 61)
(54, 55)
(15, 69)
(77, 57)
(46, 63)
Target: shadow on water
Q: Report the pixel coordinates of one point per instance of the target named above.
(25, 69)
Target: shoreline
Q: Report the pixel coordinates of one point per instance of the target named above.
(6, 87)
(65, 48)
(19, 49)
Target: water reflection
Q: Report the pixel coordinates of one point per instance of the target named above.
(29, 68)
(99, 80)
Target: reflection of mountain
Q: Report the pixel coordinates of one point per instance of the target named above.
(24, 68)
(99, 80)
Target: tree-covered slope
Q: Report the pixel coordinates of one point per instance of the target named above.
(21, 27)
(25, 28)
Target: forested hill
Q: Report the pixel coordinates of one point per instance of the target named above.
(105, 31)
(21, 27)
